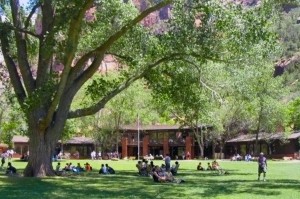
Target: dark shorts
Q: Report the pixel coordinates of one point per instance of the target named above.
(262, 169)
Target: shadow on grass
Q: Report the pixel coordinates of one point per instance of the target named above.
(127, 184)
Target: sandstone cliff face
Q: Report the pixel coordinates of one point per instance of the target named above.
(165, 12)
(152, 21)
(155, 17)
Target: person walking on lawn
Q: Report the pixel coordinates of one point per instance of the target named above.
(262, 166)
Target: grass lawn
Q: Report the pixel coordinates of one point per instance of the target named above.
(283, 181)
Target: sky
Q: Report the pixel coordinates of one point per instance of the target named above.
(23, 2)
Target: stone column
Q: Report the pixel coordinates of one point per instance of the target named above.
(189, 146)
(124, 147)
(146, 145)
(166, 145)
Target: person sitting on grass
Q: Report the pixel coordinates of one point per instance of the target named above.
(88, 167)
(58, 170)
(103, 169)
(142, 170)
(168, 177)
(10, 169)
(150, 168)
(77, 169)
(216, 166)
(109, 169)
(151, 165)
(174, 168)
(157, 177)
(209, 167)
(199, 167)
(66, 167)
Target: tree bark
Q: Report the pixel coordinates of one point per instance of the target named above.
(40, 158)
(200, 139)
(42, 143)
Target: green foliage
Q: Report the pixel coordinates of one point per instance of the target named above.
(12, 120)
(41, 97)
(70, 129)
(294, 114)
(101, 86)
(136, 101)
(289, 32)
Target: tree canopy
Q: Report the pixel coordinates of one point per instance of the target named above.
(54, 47)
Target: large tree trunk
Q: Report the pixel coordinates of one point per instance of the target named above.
(40, 157)
(42, 146)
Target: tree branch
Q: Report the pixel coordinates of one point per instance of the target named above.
(22, 48)
(26, 24)
(202, 82)
(12, 68)
(99, 105)
(110, 41)
(132, 23)
(46, 50)
(71, 47)
(22, 30)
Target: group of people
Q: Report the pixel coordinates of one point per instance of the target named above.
(10, 170)
(6, 155)
(145, 169)
(71, 168)
(105, 169)
(160, 174)
(163, 173)
(100, 156)
(214, 166)
(262, 166)
(238, 157)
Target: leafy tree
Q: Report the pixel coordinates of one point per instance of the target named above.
(77, 35)
(11, 117)
(262, 95)
(124, 109)
(294, 114)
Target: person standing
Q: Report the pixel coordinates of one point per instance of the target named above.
(262, 166)
(168, 162)
(188, 155)
(93, 155)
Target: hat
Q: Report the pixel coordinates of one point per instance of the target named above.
(261, 153)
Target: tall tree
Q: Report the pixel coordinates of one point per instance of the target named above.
(76, 36)
(262, 97)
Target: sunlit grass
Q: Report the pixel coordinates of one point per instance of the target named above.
(282, 182)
